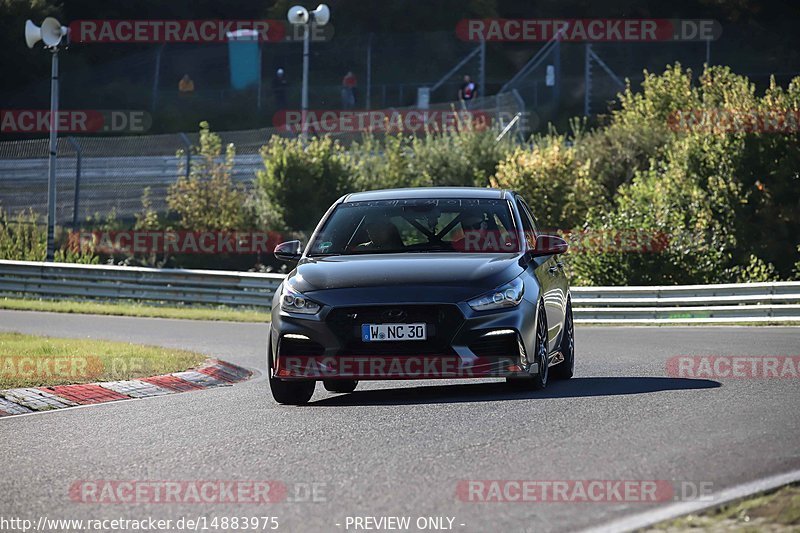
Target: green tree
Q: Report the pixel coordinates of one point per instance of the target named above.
(300, 181)
(551, 176)
(208, 199)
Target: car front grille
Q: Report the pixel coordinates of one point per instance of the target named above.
(442, 323)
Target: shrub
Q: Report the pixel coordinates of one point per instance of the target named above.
(555, 182)
(637, 132)
(208, 199)
(456, 158)
(797, 266)
(299, 182)
(24, 238)
(680, 198)
(383, 163)
(464, 158)
(727, 200)
(757, 270)
(147, 218)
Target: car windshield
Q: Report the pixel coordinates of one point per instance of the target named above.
(418, 225)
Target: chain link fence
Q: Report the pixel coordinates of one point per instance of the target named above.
(97, 176)
(558, 80)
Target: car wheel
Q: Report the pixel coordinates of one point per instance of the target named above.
(340, 385)
(539, 381)
(566, 368)
(288, 392)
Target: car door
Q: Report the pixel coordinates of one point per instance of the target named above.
(551, 276)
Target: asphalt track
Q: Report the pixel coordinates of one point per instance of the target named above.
(400, 448)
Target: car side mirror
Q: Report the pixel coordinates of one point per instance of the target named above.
(289, 251)
(549, 245)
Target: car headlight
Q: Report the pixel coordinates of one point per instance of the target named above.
(509, 295)
(294, 302)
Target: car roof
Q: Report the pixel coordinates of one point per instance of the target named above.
(428, 192)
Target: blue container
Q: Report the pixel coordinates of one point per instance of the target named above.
(244, 58)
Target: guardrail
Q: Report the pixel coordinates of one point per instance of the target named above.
(735, 302)
(746, 302)
(108, 282)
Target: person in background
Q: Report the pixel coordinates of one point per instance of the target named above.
(349, 83)
(186, 86)
(279, 85)
(467, 92)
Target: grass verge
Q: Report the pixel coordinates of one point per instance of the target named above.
(776, 511)
(34, 361)
(135, 309)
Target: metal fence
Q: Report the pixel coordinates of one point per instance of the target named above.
(64, 281)
(390, 67)
(737, 302)
(98, 175)
(747, 302)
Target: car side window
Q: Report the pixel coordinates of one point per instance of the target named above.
(528, 226)
(530, 216)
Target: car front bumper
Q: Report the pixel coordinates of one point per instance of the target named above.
(462, 343)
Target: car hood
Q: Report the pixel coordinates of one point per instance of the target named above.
(477, 272)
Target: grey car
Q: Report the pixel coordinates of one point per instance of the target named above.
(421, 283)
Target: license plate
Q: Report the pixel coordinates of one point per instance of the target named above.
(393, 332)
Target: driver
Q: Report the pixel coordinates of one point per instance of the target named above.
(383, 234)
(473, 226)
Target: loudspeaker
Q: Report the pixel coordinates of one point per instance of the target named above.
(322, 15)
(50, 33)
(33, 33)
(297, 15)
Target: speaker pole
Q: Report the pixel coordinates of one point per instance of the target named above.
(51, 181)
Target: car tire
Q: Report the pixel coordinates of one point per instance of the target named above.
(292, 392)
(288, 392)
(340, 385)
(538, 381)
(566, 368)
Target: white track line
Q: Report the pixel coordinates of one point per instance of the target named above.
(676, 510)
